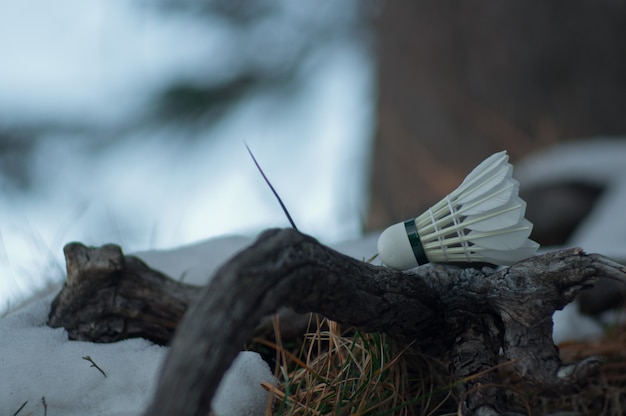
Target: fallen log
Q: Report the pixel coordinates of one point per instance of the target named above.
(470, 314)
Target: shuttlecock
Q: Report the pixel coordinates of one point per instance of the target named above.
(480, 221)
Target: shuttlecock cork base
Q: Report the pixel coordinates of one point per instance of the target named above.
(480, 221)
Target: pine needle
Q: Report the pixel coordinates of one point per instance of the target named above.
(20, 409)
(280, 201)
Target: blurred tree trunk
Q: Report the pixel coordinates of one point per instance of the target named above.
(461, 80)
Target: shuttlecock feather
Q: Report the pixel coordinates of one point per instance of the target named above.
(480, 221)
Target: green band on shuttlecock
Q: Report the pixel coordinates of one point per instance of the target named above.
(416, 243)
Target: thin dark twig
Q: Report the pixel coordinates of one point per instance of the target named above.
(93, 364)
(20, 409)
(45, 406)
(280, 201)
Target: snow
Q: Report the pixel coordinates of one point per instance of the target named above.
(571, 325)
(600, 161)
(239, 393)
(194, 263)
(38, 362)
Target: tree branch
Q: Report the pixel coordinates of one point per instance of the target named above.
(470, 313)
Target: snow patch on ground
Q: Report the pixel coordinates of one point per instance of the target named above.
(195, 263)
(38, 362)
(239, 393)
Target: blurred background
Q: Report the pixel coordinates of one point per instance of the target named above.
(125, 121)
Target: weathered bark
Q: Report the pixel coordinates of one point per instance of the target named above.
(108, 297)
(469, 313)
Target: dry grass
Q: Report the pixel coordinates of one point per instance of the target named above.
(335, 371)
(352, 373)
